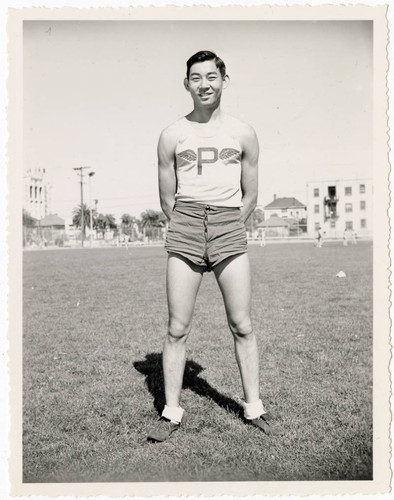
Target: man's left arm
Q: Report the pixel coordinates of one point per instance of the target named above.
(250, 172)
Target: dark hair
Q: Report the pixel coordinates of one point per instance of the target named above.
(206, 55)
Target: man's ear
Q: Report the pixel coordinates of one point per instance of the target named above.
(186, 84)
(226, 81)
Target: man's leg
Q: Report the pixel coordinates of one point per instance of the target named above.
(183, 282)
(233, 277)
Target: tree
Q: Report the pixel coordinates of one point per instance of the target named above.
(110, 222)
(77, 217)
(104, 222)
(99, 223)
(130, 225)
(28, 220)
(29, 225)
(126, 222)
(255, 219)
(151, 220)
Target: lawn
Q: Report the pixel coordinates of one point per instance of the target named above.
(94, 321)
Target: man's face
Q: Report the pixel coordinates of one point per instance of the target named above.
(205, 83)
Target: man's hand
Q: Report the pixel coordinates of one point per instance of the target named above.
(250, 171)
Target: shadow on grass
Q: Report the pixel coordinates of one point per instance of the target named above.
(152, 368)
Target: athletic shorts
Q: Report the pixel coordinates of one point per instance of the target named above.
(204, 234)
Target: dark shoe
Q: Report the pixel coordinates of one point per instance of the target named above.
(263, 423)
(162, 430)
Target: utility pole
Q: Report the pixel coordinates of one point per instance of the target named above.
(81, 169)
(91, 208)
(95, 211)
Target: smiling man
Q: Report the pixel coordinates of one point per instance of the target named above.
(208, 173)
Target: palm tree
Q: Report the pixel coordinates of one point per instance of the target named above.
(77, 217)
(109, 221)
(151, 220)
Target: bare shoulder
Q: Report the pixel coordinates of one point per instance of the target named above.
(244, 132)
(170, 135)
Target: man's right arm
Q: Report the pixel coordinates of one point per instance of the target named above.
(167, 175)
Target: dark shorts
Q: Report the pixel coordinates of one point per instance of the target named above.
(206, 235)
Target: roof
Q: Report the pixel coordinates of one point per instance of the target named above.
(285, 203)
(52, 220)
(275, 221)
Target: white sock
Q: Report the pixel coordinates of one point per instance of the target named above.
(174, 414)
(253, 410)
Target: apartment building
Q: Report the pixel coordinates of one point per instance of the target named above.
(334, 206)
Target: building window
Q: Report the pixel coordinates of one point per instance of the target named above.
(349, 225)
(317, 209)
(332, 224)
(362, 188)
(316, 192)
(284, 210)
(332, 191)
(348, 191)
(362, 205)
(363, 223)
(348, 207)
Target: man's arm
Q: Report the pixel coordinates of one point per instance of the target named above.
(167, 176)
(250, 171)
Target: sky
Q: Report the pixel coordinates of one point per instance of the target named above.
(98, 94)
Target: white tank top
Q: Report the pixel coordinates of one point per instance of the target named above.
(208, 164)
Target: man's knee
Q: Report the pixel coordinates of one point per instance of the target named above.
(241, 327)
(178, 329)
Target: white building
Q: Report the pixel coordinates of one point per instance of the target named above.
(285, 208)
(333, 206)
(36, 193)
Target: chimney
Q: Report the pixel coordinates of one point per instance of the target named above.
(274, 197)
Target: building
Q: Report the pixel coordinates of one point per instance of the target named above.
(52, 229)
(334, 206)
(285, 208)
(49, 230)
(36, 193)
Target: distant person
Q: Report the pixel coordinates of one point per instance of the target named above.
(354, 237)
(262, 238)
(208, 173)
(346, 237)
(319, 239)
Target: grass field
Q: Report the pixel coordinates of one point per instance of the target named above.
(94, 322)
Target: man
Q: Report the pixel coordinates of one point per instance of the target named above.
(345, 237)
(262, 237)
(319, 241)
(208, 172)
